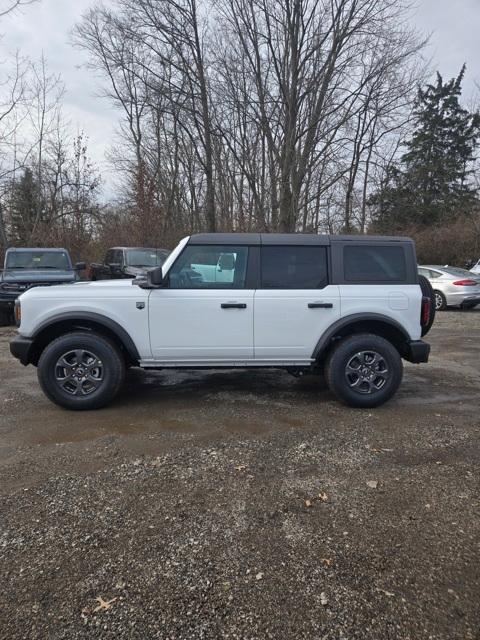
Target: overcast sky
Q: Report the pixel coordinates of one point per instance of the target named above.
(454, 27)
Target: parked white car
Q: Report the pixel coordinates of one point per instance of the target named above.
(352, 306)
(453, 287)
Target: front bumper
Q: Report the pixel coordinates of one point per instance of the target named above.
(22, 348)
(7, 300)
(417, 351)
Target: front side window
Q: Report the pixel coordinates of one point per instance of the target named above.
(374, 264)
(210, 267)
(294, 267)
(118, 257)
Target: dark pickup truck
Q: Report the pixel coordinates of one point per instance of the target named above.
(126, 262)
(31, 267)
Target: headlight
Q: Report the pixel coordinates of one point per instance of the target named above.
(18, 312)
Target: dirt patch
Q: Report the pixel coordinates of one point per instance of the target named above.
(245, 505)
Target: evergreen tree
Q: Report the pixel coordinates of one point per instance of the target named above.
(432, 183)
(23, 205)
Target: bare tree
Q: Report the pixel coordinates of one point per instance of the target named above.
(8, 6)
(253, 114)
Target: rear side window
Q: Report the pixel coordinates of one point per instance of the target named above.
(374, 264)
(294, 267)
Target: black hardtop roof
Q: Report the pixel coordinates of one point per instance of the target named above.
(287, 238)
(137, 249)
(25, 249)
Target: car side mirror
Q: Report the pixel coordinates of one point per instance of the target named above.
(226, 262)
(80, 266)
(152, 279)
(114, 266)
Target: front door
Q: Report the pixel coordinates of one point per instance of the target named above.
(205, 313)
(295, 304)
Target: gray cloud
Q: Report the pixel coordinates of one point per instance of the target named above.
(46, 27)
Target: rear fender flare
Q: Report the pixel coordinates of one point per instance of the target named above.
(325, 340)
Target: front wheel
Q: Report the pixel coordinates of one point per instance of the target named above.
(364, 370)
(81, 370)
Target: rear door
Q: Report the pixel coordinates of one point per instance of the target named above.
(197, 318)
(294, 303)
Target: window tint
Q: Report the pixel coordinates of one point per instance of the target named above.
(374, 264)
(109, 256)
(210, 267)
(293, 267)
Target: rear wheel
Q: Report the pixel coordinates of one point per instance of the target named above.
(364, 370)
(428, 292)
(81, 370)
(440, 301)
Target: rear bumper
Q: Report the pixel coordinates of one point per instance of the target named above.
(417, 351)
(462, 297)
(21, 348)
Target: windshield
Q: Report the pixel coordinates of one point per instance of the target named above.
(146, 257)
(456, 271)
(38, 260)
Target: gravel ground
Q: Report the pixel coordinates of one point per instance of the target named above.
(245, 505)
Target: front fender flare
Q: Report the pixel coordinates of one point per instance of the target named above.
(98, 319)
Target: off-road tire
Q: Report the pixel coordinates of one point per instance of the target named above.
(440, 301)
(343, 354)
(112, 367)
(427, 292)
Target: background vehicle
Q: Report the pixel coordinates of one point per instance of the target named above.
(31, 267)
(453, 287)
(352, 306)
(476, 268)
(126, 262)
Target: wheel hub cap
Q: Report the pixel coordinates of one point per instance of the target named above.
(367, 372)
(79, 372)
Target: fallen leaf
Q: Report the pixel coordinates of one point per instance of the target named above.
(240, 467)
(387, 593)
(373, 484)
(323, 497)
(259, 576)
(323, 599)
(327, 562)
(103, 604)
(308, 503)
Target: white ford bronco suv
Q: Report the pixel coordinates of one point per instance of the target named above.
(351, 306)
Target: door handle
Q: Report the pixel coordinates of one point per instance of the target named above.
(233, 305)
(320, 305)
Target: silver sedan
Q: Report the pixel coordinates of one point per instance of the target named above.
(453, 287)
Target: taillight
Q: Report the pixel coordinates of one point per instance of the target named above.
(425, 315)
(465, 283)
(18, 313)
